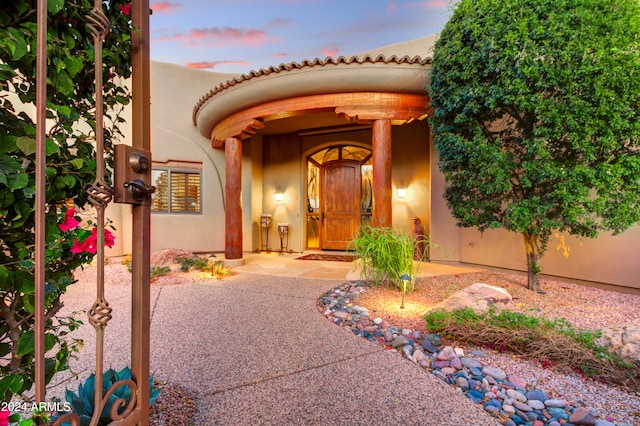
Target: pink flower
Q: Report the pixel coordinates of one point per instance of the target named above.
(90, 244)
(4, 417)
(126, 9)
(69, 222)
(109, 238)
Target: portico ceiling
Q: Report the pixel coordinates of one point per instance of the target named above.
(358, 89)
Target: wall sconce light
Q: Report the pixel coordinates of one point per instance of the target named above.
(278, 196)
(402, 193)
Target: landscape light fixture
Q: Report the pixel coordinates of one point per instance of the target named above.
(406, 280)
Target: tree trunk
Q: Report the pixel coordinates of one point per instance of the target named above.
(533, 259)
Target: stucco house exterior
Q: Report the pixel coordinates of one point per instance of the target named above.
(322, 146)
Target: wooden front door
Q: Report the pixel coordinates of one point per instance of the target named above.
(339, 203)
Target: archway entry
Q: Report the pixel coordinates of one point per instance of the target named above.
(339, 195)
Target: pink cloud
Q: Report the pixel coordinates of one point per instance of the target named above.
(206, 65)
(392, 7)
(429, 4)
(164, 7)
(277, 23)
(330, 52)
(280, 55)
(220, 36)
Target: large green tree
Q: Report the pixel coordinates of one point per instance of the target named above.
(537, 117)
(70, 166)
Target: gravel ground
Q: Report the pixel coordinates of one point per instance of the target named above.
(584, 307)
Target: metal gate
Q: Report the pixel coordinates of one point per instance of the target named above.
(133, 169)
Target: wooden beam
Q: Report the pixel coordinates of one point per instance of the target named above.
(400, 108)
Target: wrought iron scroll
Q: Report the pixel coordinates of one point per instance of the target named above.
(100, 195)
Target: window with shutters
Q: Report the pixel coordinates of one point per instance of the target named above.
(177, 190)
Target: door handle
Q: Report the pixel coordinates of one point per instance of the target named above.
(322, 216)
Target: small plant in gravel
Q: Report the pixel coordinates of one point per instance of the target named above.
(82, 403)
(386, 255)
(154, 272)
(194, 261)
(555, 341)
(159, 271)
(219, 270)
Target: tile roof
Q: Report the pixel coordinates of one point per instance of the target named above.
(353, 60)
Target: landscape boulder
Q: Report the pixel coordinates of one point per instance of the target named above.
(623, 340)
(167, 257)
(477, 296)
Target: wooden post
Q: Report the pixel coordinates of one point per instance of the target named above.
(141, 244)
(233, 193)
(381, 147)
(40, 206)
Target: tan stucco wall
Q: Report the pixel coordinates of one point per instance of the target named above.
(281, 171)
(174, 90)
(410, 166)
(444, 233)
(608, 259)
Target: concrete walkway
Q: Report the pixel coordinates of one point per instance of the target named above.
(256, 351)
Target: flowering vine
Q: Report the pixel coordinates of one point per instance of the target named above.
(85, 241)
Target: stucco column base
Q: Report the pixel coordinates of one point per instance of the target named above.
(232, 263)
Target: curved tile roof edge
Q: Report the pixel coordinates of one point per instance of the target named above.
(305, 63)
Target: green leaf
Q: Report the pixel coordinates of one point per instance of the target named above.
(55, 6)
(21, 6)
(8, 143)
(29, 191)
(21, 209)
(12, 383)
(52, 147)
(17, 180)
(77, 163)
(17, 44)
(6, 199)
(26, 144)
(69, 180)
(5, 284)
(64, 84)
(26, 344)
(64, 110)
(69, 41)
(74, 64)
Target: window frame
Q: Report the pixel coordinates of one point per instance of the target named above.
(178, 169)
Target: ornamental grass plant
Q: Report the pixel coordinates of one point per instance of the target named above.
(554, 342)
(385, 255)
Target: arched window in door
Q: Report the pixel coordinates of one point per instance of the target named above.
(319, 236)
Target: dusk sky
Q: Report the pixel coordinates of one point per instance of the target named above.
(236, 36)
